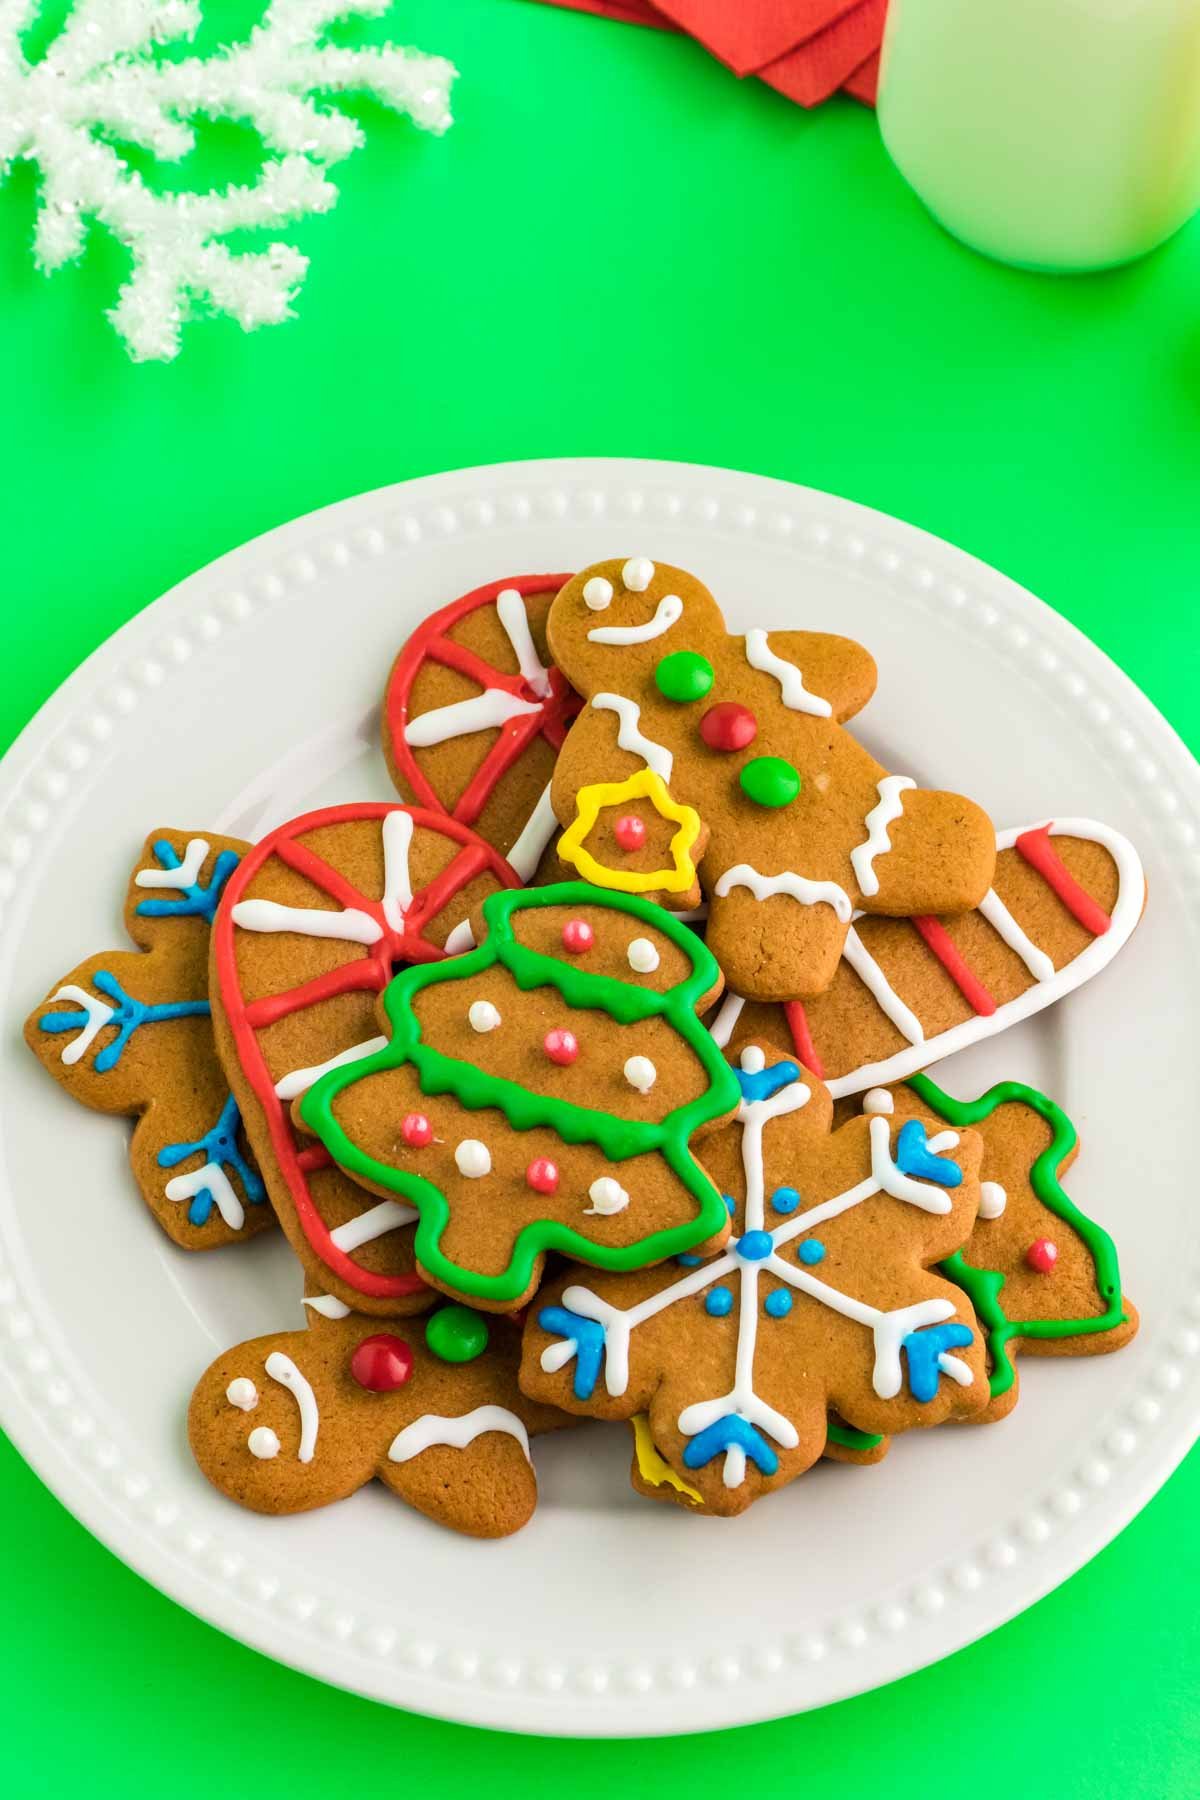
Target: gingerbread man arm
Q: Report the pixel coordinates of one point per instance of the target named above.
(833, 669)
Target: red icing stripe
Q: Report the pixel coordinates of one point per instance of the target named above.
(1036, 848)
(955, 964)
(806, 1050)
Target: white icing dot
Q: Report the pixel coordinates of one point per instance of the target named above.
(606, 1196)
(641, 1073)
(992, 1199)
(637, 574)
(878, 1100)
(643, 957)
(242, 1393)
(483, 1016)
(473, 1158)
(597, 593)
(753, 1060)
(263, 1443)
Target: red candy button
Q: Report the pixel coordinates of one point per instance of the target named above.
(416, 1130)
(561, 1047)
(728, 726)
(382, 1363)
(578, 936)
(542, 1175)
(630, 831)
(1042, 1255)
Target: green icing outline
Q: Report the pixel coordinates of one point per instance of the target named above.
(476, 1089)
(849, 1438)
(983, 1286)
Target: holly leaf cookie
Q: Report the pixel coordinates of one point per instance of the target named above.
(298, 1419)
(540, 1094)
(1066, 898)
(129, 1032)
(787, 824)
(827, 1298)
(474, 715)
(312, 926)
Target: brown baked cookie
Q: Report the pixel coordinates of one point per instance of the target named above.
(474, 715)
(1066, 898)
(825, 1299)
(129, 1032)
(785, 821)
(541, 1094)
(311, 928)
(298, 1419)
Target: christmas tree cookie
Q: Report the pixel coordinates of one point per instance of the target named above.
(299, 1419)
(129, 1032)
(541, 1093)
(826, 1298)
(787, 824)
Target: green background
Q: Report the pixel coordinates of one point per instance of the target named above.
(618, 249)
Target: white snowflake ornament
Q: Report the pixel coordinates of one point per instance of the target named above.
(102, 74)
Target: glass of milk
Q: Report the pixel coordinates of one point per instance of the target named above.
(1056, 134)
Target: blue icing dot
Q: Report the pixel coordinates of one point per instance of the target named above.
(730, 1204)
(689, 1262)
(719, 1302)
(785, 1200)
(752, 1246)
(811, 1250)
(778, 1304)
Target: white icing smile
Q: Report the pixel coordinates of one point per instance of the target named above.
(668, 612)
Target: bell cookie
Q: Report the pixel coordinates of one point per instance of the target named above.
(787, 824)
(560, 1072)
(129, 1032)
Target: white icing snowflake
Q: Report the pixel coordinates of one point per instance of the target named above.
(103, 74)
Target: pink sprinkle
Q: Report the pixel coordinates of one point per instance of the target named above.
(542, 1175)
(561, 1047)
(578, 936)
(630, 831)
(416, 1130)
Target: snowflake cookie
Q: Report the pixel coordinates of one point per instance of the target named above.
(298, 1419)
(541, 1094)
(788, 825)
(313, 925)
(826, 1299)
(129, 1032)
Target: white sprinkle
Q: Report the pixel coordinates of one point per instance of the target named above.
(637, 574)
(606, 1196)
(641, 1073)
(597, 593)
(473, 1158)
(878, 1100)
(753, 1060)
(483, 1016)
(263, 1443)
(643, 957)
(242, 1393)
(992, 1200)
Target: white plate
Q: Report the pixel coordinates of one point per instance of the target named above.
(246, 695)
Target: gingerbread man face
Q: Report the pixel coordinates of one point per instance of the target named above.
(825, 1299)
(796, 828)
(298, 1419)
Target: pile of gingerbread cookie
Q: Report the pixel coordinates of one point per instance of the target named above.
(588, 1079)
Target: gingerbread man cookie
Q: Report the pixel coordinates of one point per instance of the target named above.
(539, 1094)
(826, 1298)
(129, 1032)
(311, 928)
(787, 824)
(299, 1419)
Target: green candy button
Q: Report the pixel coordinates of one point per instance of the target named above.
(685, 675)
(457, 1334)
(770, 781)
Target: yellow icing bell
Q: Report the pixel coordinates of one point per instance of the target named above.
(645, 785)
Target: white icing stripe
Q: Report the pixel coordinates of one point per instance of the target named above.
(877, 842)
(668, 612)
(1002, 922)
(300, 1080)
(515, 620)
(328, 1305)
(349, 926)
(213, 1177)
(760, 656)
(389, 1215)
(184, 876)
(796, 887)
(882, 992)
(526, 853)
(1131, 894)
(433, 1429)
(282, 1369)
(397, 883)
(630, 737)
(721, 1029)
(495, 706)
(462, 937)
(98, 1016)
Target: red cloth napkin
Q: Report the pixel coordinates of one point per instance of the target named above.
(804, 49)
